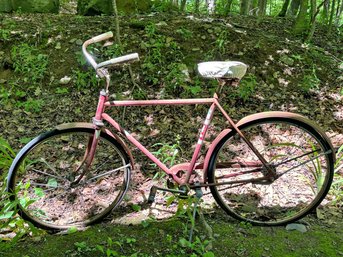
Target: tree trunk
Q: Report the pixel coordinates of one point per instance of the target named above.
(211, 6)
(325, 12)
(197, 6)
(228, 6)
(262, 7)
(245, 7)
(183, 5)
(284, 8)
(332, 13)
(254, 7)
(339, 12)
(295, 4)
(117, 32)
(314, 13)
(301, 24)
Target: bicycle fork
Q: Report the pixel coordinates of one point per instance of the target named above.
(93, 140)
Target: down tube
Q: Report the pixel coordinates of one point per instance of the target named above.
(134, 141)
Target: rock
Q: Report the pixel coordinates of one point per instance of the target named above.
(65, 80)
(96, 7)
(287, 60)
(79, 42)
(295, 226)
(6, 6)
(134, 6)
(36, 6)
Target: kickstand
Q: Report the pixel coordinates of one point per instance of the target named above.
(198, 195)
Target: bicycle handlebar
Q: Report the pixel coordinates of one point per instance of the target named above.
(102, 37)
(114, 61)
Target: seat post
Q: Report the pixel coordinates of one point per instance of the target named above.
(225, 82)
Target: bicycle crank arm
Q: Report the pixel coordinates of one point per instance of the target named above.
(154, 189)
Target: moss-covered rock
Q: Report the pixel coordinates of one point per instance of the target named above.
(94, 7)
(133, 6)
(6, 6)
(98, 7)
(36, 6)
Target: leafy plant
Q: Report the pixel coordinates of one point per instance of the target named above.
(84, 79)
(167, 154)
(309, 81)
(31, 105)
(185, 33)
(337, 185)
(116, 248)
(28, 61)
(197, 247)
(9, 218)
(81, 249)
(247, 87)
(7, 155)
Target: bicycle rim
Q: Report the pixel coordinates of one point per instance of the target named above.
(42, 177)
(301, 157)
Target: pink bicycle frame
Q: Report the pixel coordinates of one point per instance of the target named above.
(213, 102)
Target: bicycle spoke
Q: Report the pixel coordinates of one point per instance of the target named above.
(107, 173)
(49, 175)
(300, 164)
(46, 185)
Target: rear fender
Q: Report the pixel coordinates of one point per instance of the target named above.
(260, 116)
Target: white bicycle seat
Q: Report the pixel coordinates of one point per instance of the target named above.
(228, 70)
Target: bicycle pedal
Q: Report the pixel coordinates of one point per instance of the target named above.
(152, 194)
(183, 194)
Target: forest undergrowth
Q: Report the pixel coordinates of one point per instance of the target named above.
(45, 81)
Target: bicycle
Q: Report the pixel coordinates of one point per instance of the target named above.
(269, 168)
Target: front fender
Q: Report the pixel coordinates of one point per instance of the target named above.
(104, 130)
(253, 118)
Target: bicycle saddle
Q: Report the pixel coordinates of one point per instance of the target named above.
(225, 70)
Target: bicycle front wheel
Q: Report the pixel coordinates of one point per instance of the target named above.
(42, 175)
(300, 156)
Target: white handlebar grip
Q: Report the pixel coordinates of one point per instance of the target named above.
(102, 37)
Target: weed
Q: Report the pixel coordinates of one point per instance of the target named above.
(29, 62)
(7, 155)
(167, 154)
(185, 33)
(161, 55)
(84, 79)
(61, 90)
(31, 105)
(10, 220)
(247, 87)
(82, 249)
(196, 248)
(176, 80)
(309, 81)
(116, 248)
(5, 32)
(337, 185)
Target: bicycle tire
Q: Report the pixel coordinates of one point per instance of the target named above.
(284, 142)
(40, 179)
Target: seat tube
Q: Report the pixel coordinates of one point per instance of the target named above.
(202, 135)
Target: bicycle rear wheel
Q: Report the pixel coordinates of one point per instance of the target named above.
(41, 179)
(301, 157)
